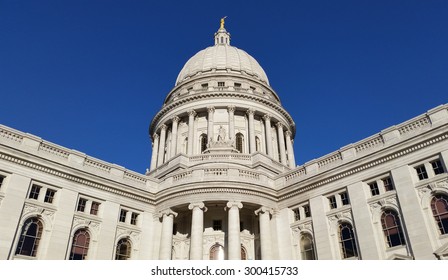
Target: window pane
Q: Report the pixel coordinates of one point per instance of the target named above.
(34, 193)
(80, 245)
(49, 196)
(392, 228)
(30, 237)
(347, 241)
(439, 206)
(123, 251)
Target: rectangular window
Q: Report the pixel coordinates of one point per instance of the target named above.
(374, 190)
(344, 198)
(252, 88)
(81, 205)
(332, 200)
(34, 193)
(237, 85)
(204, 86)
(123, 215)
(296, 214)
(437, 167)
(421, 172)
(217, 225)
(134, 217)
(388, 186)
(94, 208)
(306, 210)
(221, 84)
(49, 196)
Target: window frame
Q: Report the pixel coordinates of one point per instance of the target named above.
(25, 238)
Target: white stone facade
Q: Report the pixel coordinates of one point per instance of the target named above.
(223, 183)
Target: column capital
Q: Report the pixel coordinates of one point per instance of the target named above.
(231, 108)
(175, 119)
(167, 212)
(288, 133)
(250, 111)
(192, 113)
(231, 204)
(163, 127)
(155, 136)
(267, 117)
(199, 205)
(264, 209)
(279, 125)
(210, 109)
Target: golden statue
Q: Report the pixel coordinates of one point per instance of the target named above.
(222, 22)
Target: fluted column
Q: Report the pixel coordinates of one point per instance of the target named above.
(265, 232)
(155, 149)
(191, 115)
(250, 114)
(281, 142)
(174, 135)
(211, 113)
(197, 230)
(267, 123)
(231, 110)
(166, 239)
(161, 145)
(291, 159)
(234, 250)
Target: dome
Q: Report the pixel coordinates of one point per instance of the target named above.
(222, 56)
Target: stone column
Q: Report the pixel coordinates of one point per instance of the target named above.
(166, 239)
(162, 145)
(281, 142)
(267, 123)
(291, 159)
(155, 149)
(265, 232)
(231, 110)
(234, 250)
(191, 115)
(250, 114)
(197, 230)
(176, 120)
(211, 112)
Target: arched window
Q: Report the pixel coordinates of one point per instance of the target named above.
(30, 237)
(239, 142)
(123, 251)
(307, 247)
(243, 253)
(203, 142)
(216, 252)
(439, 206)
(257, 144)
(80, 245)
(347, 241)
(392, 228)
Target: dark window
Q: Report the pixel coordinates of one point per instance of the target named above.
(216, 252)
(439, 206)
(296, 214)
(123, 215)
(332, 200)
(252, 88)
(306, 210)
(174, 229)
(204, 86)
(34, 193)
(237, 85)
(257, 144)
(437, 167)
(221, 84)
(134, 217)
(421, 172)
(388, 186)
(1, 181)
(239, 142)
(30, 237)
(344, 198)
(243, 253)
(49, 196)
(94, 208)
(374, 190)
(203, 139)
(307, 247)
(392, 228)
(347, 241)
(123, 251)
(217, 225)
(81, 205)
(80, 245)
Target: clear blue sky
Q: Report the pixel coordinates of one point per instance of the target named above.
(90, 75)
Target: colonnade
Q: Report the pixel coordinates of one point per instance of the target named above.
(233, 231)
(284, 142)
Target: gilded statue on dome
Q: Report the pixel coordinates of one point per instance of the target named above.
(222, 22)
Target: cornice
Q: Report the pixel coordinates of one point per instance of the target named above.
(221, 94)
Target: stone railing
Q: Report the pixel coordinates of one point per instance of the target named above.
(54, 150)
(181, 176)
(415, 125)
(215, 172)
(249, 174)
(96, 164)
(369, 144)
(10, 135)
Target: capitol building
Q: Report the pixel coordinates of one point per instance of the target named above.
(223, 183)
